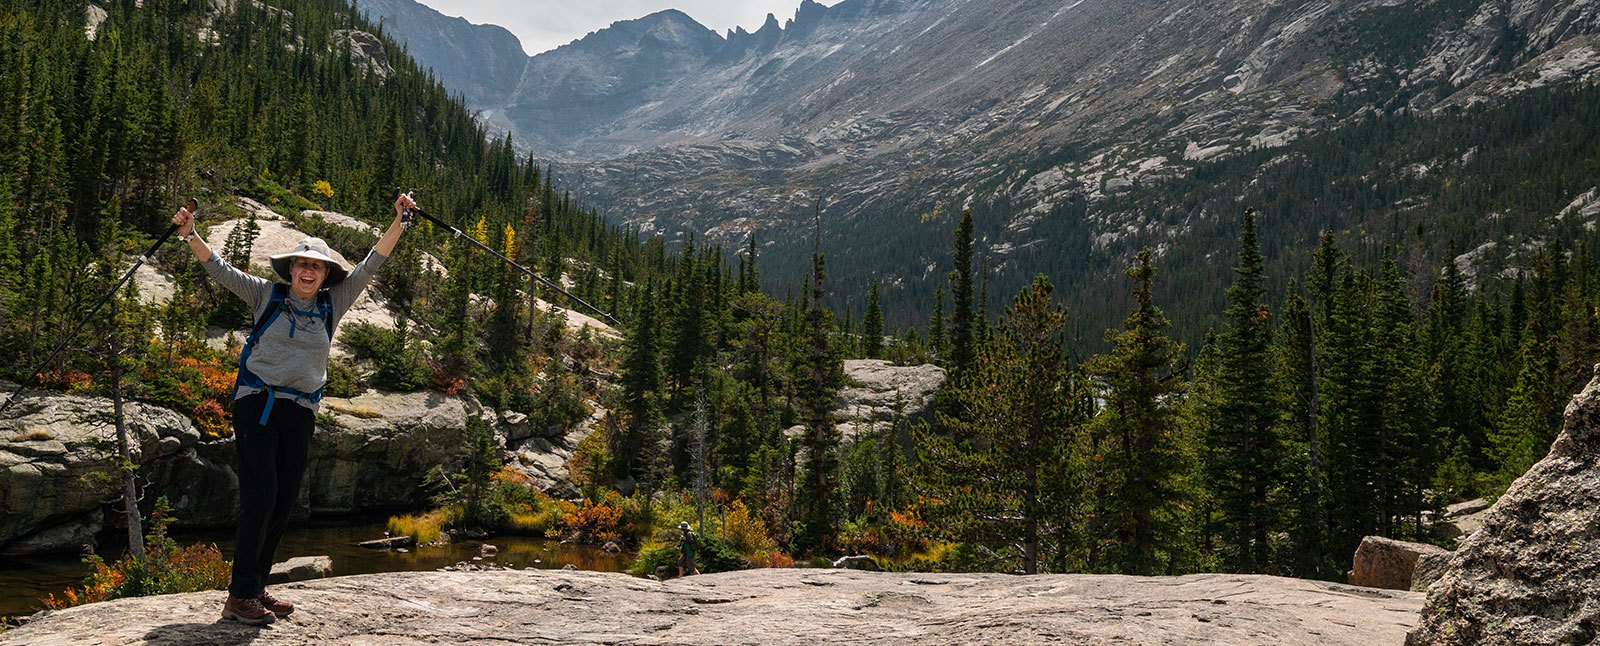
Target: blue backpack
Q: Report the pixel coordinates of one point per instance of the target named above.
(280, 291)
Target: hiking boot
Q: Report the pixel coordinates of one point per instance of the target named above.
(274, 605)
(246, 611)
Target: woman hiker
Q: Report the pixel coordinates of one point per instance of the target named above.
(281, 371)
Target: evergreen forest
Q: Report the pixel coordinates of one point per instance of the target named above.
(1316, 389)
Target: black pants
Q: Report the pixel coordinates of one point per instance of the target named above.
(271, 463)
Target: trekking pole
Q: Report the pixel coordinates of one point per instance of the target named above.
(32, 376)
(459, 234)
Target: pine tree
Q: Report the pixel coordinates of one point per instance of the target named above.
(872, 347)
(962, 319)
(1298, 378)
(641, 380)
(938, 341)
(821, 374)
(1005, 476)
(686, 357)
(1146, 462)
(1351, 415)
(1242, 449)
(503, 330)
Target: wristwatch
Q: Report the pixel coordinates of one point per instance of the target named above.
(185, 238)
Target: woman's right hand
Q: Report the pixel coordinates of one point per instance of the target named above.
(184, 221)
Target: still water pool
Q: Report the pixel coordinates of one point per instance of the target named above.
(24, 580)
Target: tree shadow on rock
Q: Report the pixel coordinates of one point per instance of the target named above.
(220, 633)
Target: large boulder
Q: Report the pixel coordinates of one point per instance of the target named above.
(380, 446)
(301, 568)
(1387, 563)
(1529, 576)
(886, 393)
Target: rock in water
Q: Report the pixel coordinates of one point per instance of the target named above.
(301, 568)
(393, 542)
(1532, 574)
(1387, 563)
(860, 562)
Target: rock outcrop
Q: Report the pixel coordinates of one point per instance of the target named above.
(887, 393)
(368, 53)
(768, 607)
(1529, 576)
(371, 452)
(51, 447)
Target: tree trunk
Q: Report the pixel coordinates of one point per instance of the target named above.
(130, 493)
(1312, 406)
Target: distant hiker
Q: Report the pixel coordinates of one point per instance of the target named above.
(284, 358)
(686, 548)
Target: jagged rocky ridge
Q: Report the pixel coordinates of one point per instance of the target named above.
(872, 89)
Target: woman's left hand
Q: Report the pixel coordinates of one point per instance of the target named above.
(401, 203)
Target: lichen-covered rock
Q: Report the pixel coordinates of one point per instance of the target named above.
(1387, 563)
(1430, 568)
(1531, 575)
(370, 452)
(770, 607)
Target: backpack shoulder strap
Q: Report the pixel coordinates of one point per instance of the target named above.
(325, 305)
(279, 292)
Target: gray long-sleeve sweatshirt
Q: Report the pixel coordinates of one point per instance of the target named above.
(300, 360)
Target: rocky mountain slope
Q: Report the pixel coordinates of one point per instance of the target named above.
(1056, 118)
(769, 607)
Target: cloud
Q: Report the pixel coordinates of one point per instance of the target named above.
(543, 25)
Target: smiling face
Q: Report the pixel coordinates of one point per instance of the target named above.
(306, 276)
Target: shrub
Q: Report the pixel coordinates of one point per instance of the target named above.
(343, 380)
(593, 522)
(400, 364)
(166, 569)
(365, 340)
(425, 527)
(713, 555)
(746, 532)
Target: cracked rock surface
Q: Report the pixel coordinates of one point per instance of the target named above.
(790, 606)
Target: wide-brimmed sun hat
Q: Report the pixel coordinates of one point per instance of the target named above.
(683, 525)
(315, 249)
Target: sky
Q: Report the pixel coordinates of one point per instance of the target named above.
(543, 25)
